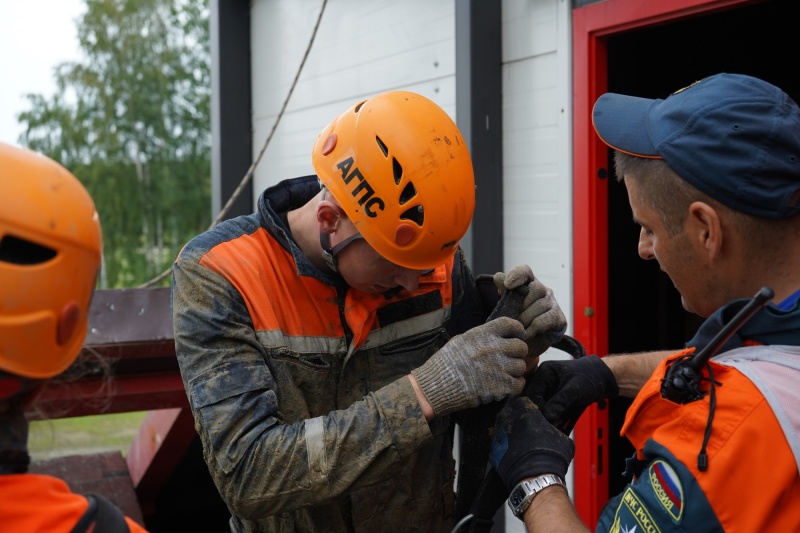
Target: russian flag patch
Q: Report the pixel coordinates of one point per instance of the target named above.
(667, 488)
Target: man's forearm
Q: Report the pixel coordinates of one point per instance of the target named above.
(632, 370)
(552, 511)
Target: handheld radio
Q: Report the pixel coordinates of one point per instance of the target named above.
(682, 382)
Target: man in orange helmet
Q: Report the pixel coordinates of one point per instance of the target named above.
(325, 339)
(50, 248)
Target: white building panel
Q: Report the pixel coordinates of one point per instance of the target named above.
(361, 48)
(530, 28)
(537, 186)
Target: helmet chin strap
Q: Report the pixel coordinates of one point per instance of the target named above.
(329, 254)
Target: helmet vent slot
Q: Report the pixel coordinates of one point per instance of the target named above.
(358, 107)
(398, 173)
(408, 193)
(383, 147)
(22, 252)
(415, 214)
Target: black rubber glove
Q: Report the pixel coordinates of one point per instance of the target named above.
(526, 445)
(564, 389)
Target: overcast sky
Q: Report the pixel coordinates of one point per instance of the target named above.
(35, 36)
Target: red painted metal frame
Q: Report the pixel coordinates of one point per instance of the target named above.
(159, 446)
(591, 26)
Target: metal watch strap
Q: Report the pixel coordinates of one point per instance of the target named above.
(521, 497)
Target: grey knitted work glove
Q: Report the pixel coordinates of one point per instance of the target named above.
(541, 315)
(482, 365)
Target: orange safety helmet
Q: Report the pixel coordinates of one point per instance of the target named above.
(50, 248)
(402, 172)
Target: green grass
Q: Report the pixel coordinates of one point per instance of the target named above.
(83, 435)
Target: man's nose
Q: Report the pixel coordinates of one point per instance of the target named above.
(645, 246)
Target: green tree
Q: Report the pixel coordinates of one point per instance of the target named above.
(132, 122)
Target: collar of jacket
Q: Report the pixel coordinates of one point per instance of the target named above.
(281, 198)
(770, 325)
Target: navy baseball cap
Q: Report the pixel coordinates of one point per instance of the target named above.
(734, 137)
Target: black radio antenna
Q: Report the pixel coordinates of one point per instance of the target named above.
(682, 382)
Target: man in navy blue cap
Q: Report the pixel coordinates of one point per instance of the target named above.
(713, 179)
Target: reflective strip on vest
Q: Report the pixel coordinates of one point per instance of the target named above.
(775, 371)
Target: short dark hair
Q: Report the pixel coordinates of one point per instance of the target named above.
(662, 189)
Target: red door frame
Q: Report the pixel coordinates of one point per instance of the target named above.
(591, 26)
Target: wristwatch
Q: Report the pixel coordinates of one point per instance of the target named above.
(522, 495)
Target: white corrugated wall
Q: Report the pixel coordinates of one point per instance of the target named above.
(361, 48)
(537, 130)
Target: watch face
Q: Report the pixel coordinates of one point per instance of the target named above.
(517, 497)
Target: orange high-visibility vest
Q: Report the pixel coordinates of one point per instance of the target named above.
(34, 503)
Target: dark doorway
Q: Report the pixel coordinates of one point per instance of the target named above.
(759, 39)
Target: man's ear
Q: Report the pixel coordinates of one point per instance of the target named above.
(328, 216)
(705, 228)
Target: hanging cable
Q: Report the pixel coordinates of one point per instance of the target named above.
(249, 174)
